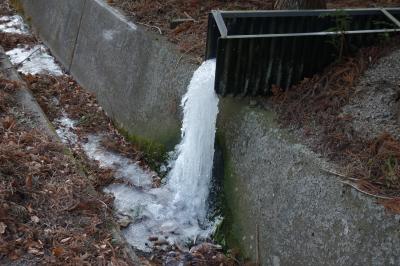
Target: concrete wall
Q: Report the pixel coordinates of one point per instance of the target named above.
(280, 202)
(138, 77)
(277, 192)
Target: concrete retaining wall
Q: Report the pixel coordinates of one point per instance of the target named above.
(284, 204)
(137, 76)
(283, 209)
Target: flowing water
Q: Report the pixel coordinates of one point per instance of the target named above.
(176, 212)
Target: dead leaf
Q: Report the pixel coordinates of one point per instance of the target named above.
(28, 181)
(393, 206)
(3, 227)
(35, 219)
(58, 251)
(65, 240)
(35, 251)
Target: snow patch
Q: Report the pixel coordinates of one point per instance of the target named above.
(125, 168)
(65, 127)
(13, 24)
(34, 60)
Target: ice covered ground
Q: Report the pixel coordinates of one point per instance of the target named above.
(34, 60)
(13, 24)
(28, 59)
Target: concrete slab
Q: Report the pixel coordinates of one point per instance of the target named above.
(26, 101)
(137, 76)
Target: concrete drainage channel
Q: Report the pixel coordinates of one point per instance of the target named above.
(282, 209)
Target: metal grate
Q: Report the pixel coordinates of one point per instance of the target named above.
(255, 50)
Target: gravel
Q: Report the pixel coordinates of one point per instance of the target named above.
(375, 108)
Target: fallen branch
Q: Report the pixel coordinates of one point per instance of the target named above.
(18, 64)
(365, 192)
(353, 185)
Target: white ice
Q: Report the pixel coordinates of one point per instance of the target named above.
(177, 211)
(34, 60)
(13, 24)
(124, 167)
(65, 127)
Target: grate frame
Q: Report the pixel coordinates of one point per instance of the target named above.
(255, 50)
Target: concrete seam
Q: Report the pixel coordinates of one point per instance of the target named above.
(77, 37)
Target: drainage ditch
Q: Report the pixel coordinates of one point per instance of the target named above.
(166, 216)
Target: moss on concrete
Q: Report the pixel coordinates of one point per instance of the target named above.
(154, 152)
(236, 209)
(17, 5)
(229, 232)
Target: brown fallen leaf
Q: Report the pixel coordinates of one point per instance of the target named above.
(65, 240)
(3, 227)
(58, 251)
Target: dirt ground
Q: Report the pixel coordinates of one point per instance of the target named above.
(191, 34)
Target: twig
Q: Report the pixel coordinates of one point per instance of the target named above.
(338, 174)
(179, 60)
(190, 17)
(103, 203)
(150, 26)
(18, 64)
(365, 192)
(351, 184)
(186, 52)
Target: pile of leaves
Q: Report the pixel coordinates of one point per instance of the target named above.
(315, 107)
(10, 40)
(50, 210)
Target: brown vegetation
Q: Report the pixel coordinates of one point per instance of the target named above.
(50, 211)
(10, 40)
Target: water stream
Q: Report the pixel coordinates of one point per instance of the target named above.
(176, 213)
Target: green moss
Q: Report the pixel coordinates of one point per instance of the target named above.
(154, 152)
(17, 5)
(228, 232)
